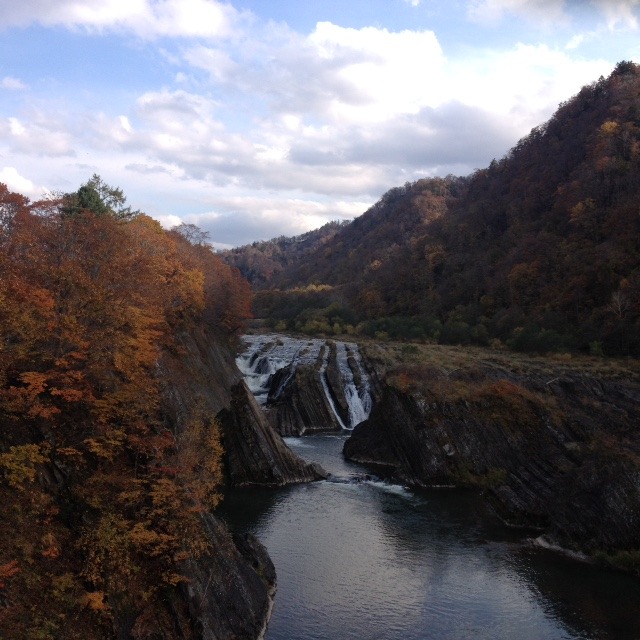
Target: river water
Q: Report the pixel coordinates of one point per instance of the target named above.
(359, 559)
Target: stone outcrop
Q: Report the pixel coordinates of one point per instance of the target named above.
(254, 453)
(201, 373)
(230, 591)
(560, 455)
(298, 402)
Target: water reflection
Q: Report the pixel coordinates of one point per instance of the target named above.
(367, 560)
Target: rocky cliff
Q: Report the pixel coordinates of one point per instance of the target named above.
(202, 373)
(230, 593)
(254, 453)
(307, 385)
(553, 447)
(230, 590)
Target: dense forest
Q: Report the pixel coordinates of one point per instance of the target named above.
(101, 494)
(539, 251)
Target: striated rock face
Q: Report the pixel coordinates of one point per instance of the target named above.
(203, 374)
(230, 592)
(562, 456)
(254, 453)
(301, 401)
(307, 385)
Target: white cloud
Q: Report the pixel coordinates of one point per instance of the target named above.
(493, 11)
(553, 12)
(12, 84)
(620, 12)
(217, 62)
(377, 73)
(20, 184)
(524, 85)
(575, 41)
(38, 135)
(144, 18)
(335, 74)
(245, 219)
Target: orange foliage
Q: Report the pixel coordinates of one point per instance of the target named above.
(87, 304)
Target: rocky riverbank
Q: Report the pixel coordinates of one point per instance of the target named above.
(553, 444)
(230, 589)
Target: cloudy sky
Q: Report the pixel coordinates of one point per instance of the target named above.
(260, 118)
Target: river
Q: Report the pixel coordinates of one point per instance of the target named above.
(359, 559)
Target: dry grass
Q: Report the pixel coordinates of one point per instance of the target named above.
(452, 361)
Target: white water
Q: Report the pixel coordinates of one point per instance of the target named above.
(266, 354)
(327, 393)
(359, 400)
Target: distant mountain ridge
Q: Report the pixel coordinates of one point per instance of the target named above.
(540, 250)
(263, 261)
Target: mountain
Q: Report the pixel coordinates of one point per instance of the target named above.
(263, 261)
(540, 250)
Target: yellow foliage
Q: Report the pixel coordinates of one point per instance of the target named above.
(108, 555)
(610, 127)
(94, 600)
(19, 464)
(108, 446)
(173, 579)
(151, 541)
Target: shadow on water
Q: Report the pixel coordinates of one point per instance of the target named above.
(359, 558)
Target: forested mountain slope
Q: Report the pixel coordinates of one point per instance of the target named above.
(117, 343)
(262, 262)
(540, 250)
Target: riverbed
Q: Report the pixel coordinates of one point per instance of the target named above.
(361, 559)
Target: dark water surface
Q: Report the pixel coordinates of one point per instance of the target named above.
(362, 560)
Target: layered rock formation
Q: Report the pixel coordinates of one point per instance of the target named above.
(557, 452)
(254, 453)
(307, 385)
(229, 592)
(203, 374)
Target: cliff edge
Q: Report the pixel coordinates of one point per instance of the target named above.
(554, 446)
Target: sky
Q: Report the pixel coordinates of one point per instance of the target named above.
(259, 118)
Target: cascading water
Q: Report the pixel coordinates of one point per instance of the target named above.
(327, 392)
(358, 400)
(265, 355)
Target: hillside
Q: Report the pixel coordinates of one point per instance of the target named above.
(116, 376)
(540, 250)
(263, 261)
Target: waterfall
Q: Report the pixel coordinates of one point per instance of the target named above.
(325, 386)
(265, 355)
(358, 400)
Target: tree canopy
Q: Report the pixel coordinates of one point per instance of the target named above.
(539, 251)
(101, 492)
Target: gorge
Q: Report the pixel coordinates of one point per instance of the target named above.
(357, 552)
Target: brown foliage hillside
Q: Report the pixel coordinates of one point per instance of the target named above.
(540, 250)
(101, 495)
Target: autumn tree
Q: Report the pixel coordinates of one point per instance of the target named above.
(105, 493)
